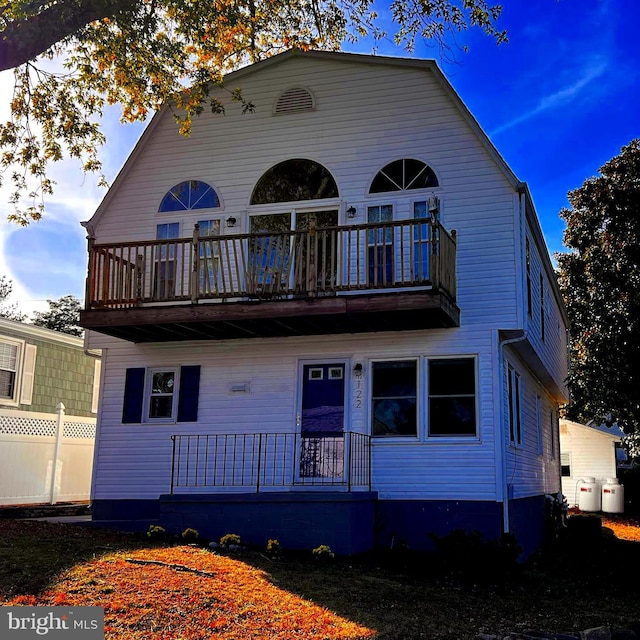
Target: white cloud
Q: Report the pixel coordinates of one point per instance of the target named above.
(559, 98)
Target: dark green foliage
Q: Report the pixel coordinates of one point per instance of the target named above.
(600, 282)
(10, 312)
(63, 316)
(630, 478)
(466, 557)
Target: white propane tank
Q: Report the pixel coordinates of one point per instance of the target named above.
(612, 496)
(588, 494)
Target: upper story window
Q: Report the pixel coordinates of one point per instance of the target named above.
(403, 175)
(294, 180)
(191, 194)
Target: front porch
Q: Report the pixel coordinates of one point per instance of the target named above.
(360, 278)
(265, 462)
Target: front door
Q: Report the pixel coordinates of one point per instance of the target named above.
(322, 422)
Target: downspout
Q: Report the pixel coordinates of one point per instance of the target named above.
(503, 431)
(506, 524)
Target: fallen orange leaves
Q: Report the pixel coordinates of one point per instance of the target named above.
(623, 527)
(220, 598)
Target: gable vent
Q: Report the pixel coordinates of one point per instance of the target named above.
(294, 100)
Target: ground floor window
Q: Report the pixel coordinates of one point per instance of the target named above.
(565, 464)
(452, 397)
(8, 370)
(394, 398)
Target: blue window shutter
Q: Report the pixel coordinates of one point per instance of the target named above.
(133, 396)
(189, 392)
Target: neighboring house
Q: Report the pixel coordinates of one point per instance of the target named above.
(587, 451)
(42, 371)
(362, 342)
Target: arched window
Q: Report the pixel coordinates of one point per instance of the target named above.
(293, 180)
(402, 175)
(191, 194)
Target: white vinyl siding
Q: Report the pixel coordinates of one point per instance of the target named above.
(531, 467)
(589, 452)
(234, 151)
(353, 133)
(269, 368)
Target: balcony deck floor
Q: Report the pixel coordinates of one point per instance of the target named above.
(394, 311)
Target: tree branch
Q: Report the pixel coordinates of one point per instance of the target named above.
(26, 38)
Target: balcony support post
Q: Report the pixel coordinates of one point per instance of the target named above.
(195, 253)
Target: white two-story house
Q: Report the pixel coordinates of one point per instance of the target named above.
(332, 320)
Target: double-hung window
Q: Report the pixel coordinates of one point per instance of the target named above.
(161, 394)
(452, 397)
(515, 417)
(162, 390)
(17, 371)
(394, 398)
(8, 371)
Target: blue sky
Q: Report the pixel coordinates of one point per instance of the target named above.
(558, 101)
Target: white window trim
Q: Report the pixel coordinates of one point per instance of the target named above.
(458, 438)
(17, 387)
(146, 407)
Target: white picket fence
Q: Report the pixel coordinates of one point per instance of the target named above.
(45, 457)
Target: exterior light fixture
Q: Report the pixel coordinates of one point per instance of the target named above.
(357, 369)
(231, 221)
(351, 213)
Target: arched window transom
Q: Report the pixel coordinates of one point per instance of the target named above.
(191, 194)
(293, 180)
(403, 175)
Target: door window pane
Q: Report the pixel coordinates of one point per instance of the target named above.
(164, 276)
(208, 276)
(421, 244)
(380, 246)
(394, 398)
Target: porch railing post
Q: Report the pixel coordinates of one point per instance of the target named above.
(195, 253)
(89, 288)
(312, 274)
(349, 445)
(173, 460)
(259, 463)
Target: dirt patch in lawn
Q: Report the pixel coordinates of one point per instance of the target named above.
(167, 592)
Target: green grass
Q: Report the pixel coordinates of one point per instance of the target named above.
(584, 582)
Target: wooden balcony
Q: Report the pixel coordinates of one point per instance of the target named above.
(352, 279)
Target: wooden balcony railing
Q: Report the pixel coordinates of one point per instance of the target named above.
(259, 461)
(309, 263)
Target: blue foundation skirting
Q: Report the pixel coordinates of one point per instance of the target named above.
(349, 523)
